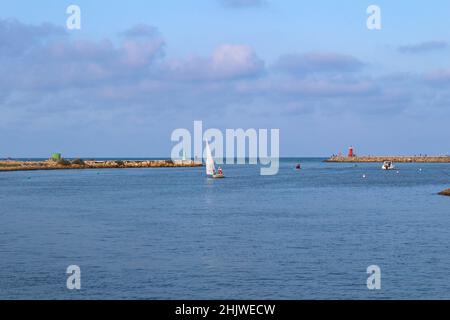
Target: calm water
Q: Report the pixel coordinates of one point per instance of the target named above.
(173, 234)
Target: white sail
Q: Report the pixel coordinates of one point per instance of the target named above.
(210, 168)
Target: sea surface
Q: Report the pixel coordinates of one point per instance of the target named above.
(172, 233)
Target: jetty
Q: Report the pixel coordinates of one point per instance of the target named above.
(395, 159)
(64, 164)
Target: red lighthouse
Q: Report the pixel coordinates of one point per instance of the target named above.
(350, 152)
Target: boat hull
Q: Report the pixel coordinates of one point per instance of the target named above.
(218, 176)
(387, 165)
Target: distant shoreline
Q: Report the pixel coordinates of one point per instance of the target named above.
(78, 164)
(405, 159)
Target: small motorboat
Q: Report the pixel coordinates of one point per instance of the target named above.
(387, 165)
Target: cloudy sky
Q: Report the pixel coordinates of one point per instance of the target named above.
(137, 71)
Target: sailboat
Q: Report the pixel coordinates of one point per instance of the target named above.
(210, 166)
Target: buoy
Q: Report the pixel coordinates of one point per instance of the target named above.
(364, 176)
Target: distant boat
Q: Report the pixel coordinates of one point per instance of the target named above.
(210, 166)
(387, 165)
(298, 166)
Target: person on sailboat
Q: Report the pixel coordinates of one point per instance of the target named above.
(219, 170)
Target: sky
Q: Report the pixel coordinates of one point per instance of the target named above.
(138, 70)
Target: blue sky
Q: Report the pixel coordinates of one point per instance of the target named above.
(137, 71)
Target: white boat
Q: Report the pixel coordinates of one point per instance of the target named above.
(210, 166)
(387, 165)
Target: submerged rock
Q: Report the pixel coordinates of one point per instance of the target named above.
(445, 192)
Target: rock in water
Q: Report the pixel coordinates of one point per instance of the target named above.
(445, 192)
